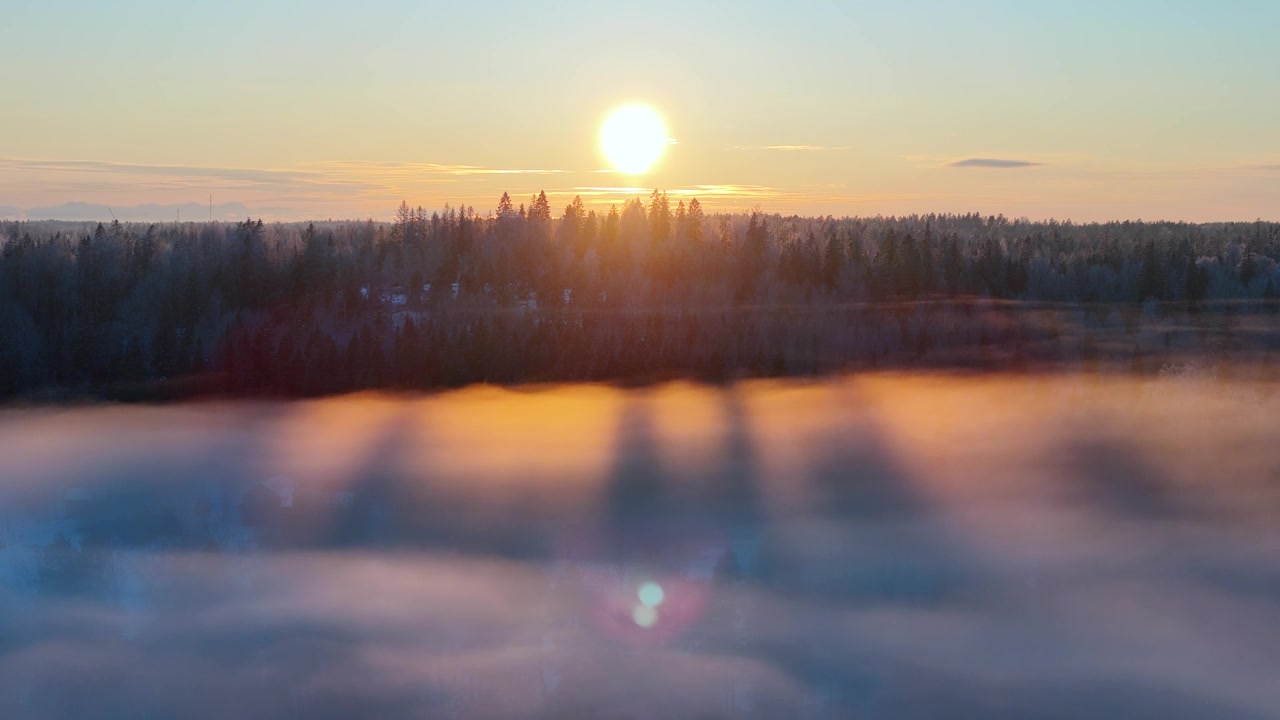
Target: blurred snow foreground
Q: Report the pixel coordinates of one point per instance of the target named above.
(896, 546)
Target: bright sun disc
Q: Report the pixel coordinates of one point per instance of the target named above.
(633, 138)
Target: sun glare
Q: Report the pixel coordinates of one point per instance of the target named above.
(633, 138)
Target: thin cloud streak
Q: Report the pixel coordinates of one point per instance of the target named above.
(63, 175)
(316, 187)
(995, 163)
(824, 199)
(420, 168)
(794, 148)
(93, 166)
(357, 178)
(690, 191)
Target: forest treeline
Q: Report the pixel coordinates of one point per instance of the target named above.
(646, 291)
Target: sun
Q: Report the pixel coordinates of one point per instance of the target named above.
(633, 138)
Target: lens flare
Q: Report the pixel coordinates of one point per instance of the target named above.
(644, 616)
(651, 594)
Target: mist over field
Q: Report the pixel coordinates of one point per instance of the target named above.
(875, 545)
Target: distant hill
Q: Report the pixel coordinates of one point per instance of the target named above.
(138, 213)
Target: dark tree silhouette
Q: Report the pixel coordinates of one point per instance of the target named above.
(639, 293)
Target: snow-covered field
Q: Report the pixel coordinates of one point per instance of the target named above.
(878, 546)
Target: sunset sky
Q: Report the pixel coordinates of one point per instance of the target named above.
(295, 109)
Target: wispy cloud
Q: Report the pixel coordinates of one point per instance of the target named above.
(998, 163)
(720, 191)
(420, 168)
(727, 191)
(828, 198)
(794, 148)
(325, 186)
(88, 174)
(335, 176)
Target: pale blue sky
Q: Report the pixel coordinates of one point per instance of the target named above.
(1131, 108)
